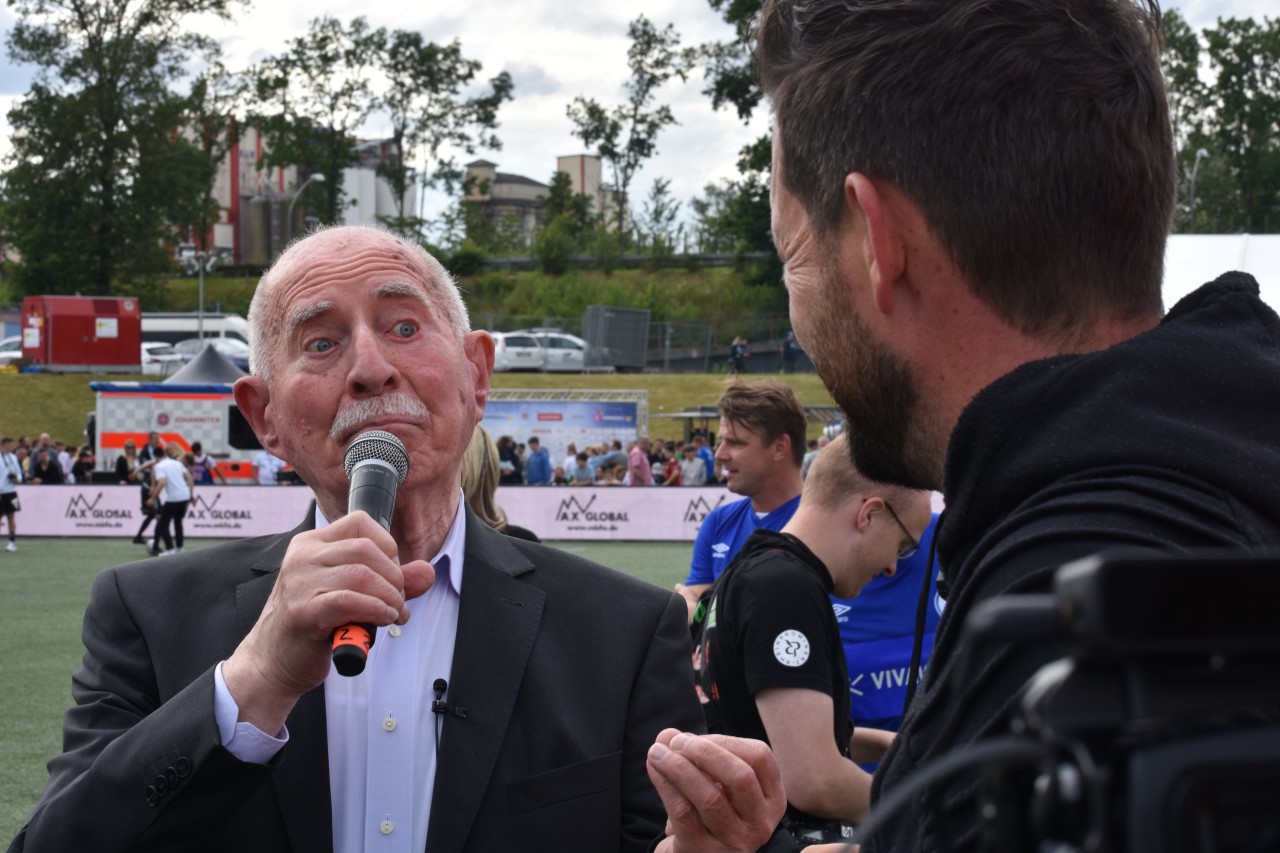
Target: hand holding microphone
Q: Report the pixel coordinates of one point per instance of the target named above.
(376, 463)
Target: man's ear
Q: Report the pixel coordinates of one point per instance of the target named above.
(477, 346)
(254, 401)
(867, 512)
(882, 248)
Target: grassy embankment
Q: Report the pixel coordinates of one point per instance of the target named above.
(57, 403)
(719, 296)
(33, 404)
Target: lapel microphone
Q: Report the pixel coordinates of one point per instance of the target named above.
(376, 463)
(439, 706)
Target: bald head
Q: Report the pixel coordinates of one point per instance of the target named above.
(856, 526)
(834, 479)
(266, 320)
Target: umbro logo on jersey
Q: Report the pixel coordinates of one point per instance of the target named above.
(721, 550)
(841, 610)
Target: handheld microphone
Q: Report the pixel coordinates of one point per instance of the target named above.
(376, 463)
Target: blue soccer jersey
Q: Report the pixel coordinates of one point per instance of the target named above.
(877, 629)
(723, 533)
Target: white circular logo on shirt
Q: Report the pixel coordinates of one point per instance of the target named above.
(791, 648)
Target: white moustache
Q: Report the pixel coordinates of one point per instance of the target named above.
(395, 404)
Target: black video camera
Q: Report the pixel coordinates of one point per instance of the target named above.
(1161, 728)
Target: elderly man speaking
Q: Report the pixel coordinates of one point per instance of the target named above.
(511, 693)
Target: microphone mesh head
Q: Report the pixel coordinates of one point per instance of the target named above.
(377, 444)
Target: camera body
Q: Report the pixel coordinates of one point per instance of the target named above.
(1161, 728)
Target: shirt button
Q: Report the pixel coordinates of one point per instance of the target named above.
(389, 724)
(394, 630)
(386, 827)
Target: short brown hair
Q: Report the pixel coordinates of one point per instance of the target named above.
(767, 408)
(1033, 135)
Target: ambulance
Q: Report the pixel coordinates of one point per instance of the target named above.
(181, 414)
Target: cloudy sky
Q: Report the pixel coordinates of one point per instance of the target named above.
(554, 52)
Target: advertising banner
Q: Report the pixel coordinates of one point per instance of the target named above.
(556, 423)
(107, 510)
(649, 513)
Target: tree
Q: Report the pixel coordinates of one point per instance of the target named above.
(729, 71)
(423, 94)
(1180, 63)
(1244, 102)
(97, 169)
(735, 215)
(562, 200)
(313, 98)
(555, 244)
(657, 224)
(626, 136)
(708, 212)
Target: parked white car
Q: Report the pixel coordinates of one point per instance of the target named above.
(563, 352)
(160, 359)
(517, 351)
(236, 350)
(10, 349)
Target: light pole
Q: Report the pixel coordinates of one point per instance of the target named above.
(316, 177)
(1195, 167)
(200, 256)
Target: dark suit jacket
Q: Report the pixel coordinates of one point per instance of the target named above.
(567, 671)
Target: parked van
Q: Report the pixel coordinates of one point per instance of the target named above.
(173, 326)
(181, 414)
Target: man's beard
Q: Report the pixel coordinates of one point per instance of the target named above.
(873, 386)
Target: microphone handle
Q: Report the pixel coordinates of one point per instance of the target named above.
(373, 489)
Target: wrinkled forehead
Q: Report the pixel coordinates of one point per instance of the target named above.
(332, 250)
(374, 258)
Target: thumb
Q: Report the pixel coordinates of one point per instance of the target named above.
(418, 578)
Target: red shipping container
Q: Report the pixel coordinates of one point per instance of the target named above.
(82, 334)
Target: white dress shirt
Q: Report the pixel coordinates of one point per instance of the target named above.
(381, 731)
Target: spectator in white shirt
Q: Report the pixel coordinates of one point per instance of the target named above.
(173, 488)
(267, 468)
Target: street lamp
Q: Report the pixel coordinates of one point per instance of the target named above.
(1195, 167)
(200, 256)
(316, 177)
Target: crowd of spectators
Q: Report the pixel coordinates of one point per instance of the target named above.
(638, 462)
(45, 461)
(641, 462)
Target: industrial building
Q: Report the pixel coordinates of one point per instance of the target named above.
(255, 202)
(506, 198)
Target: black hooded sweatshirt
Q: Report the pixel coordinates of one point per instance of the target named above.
(1166, 442)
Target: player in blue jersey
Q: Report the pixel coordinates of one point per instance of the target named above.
(762, 442)
(877, 630)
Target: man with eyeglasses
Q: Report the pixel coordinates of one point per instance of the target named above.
(878, 632)
(767, 648)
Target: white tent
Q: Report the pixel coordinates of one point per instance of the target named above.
(1190, 260)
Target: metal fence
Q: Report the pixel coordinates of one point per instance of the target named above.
(676, 347)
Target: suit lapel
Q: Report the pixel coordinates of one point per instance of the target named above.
(302, 779)
(498, 621)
